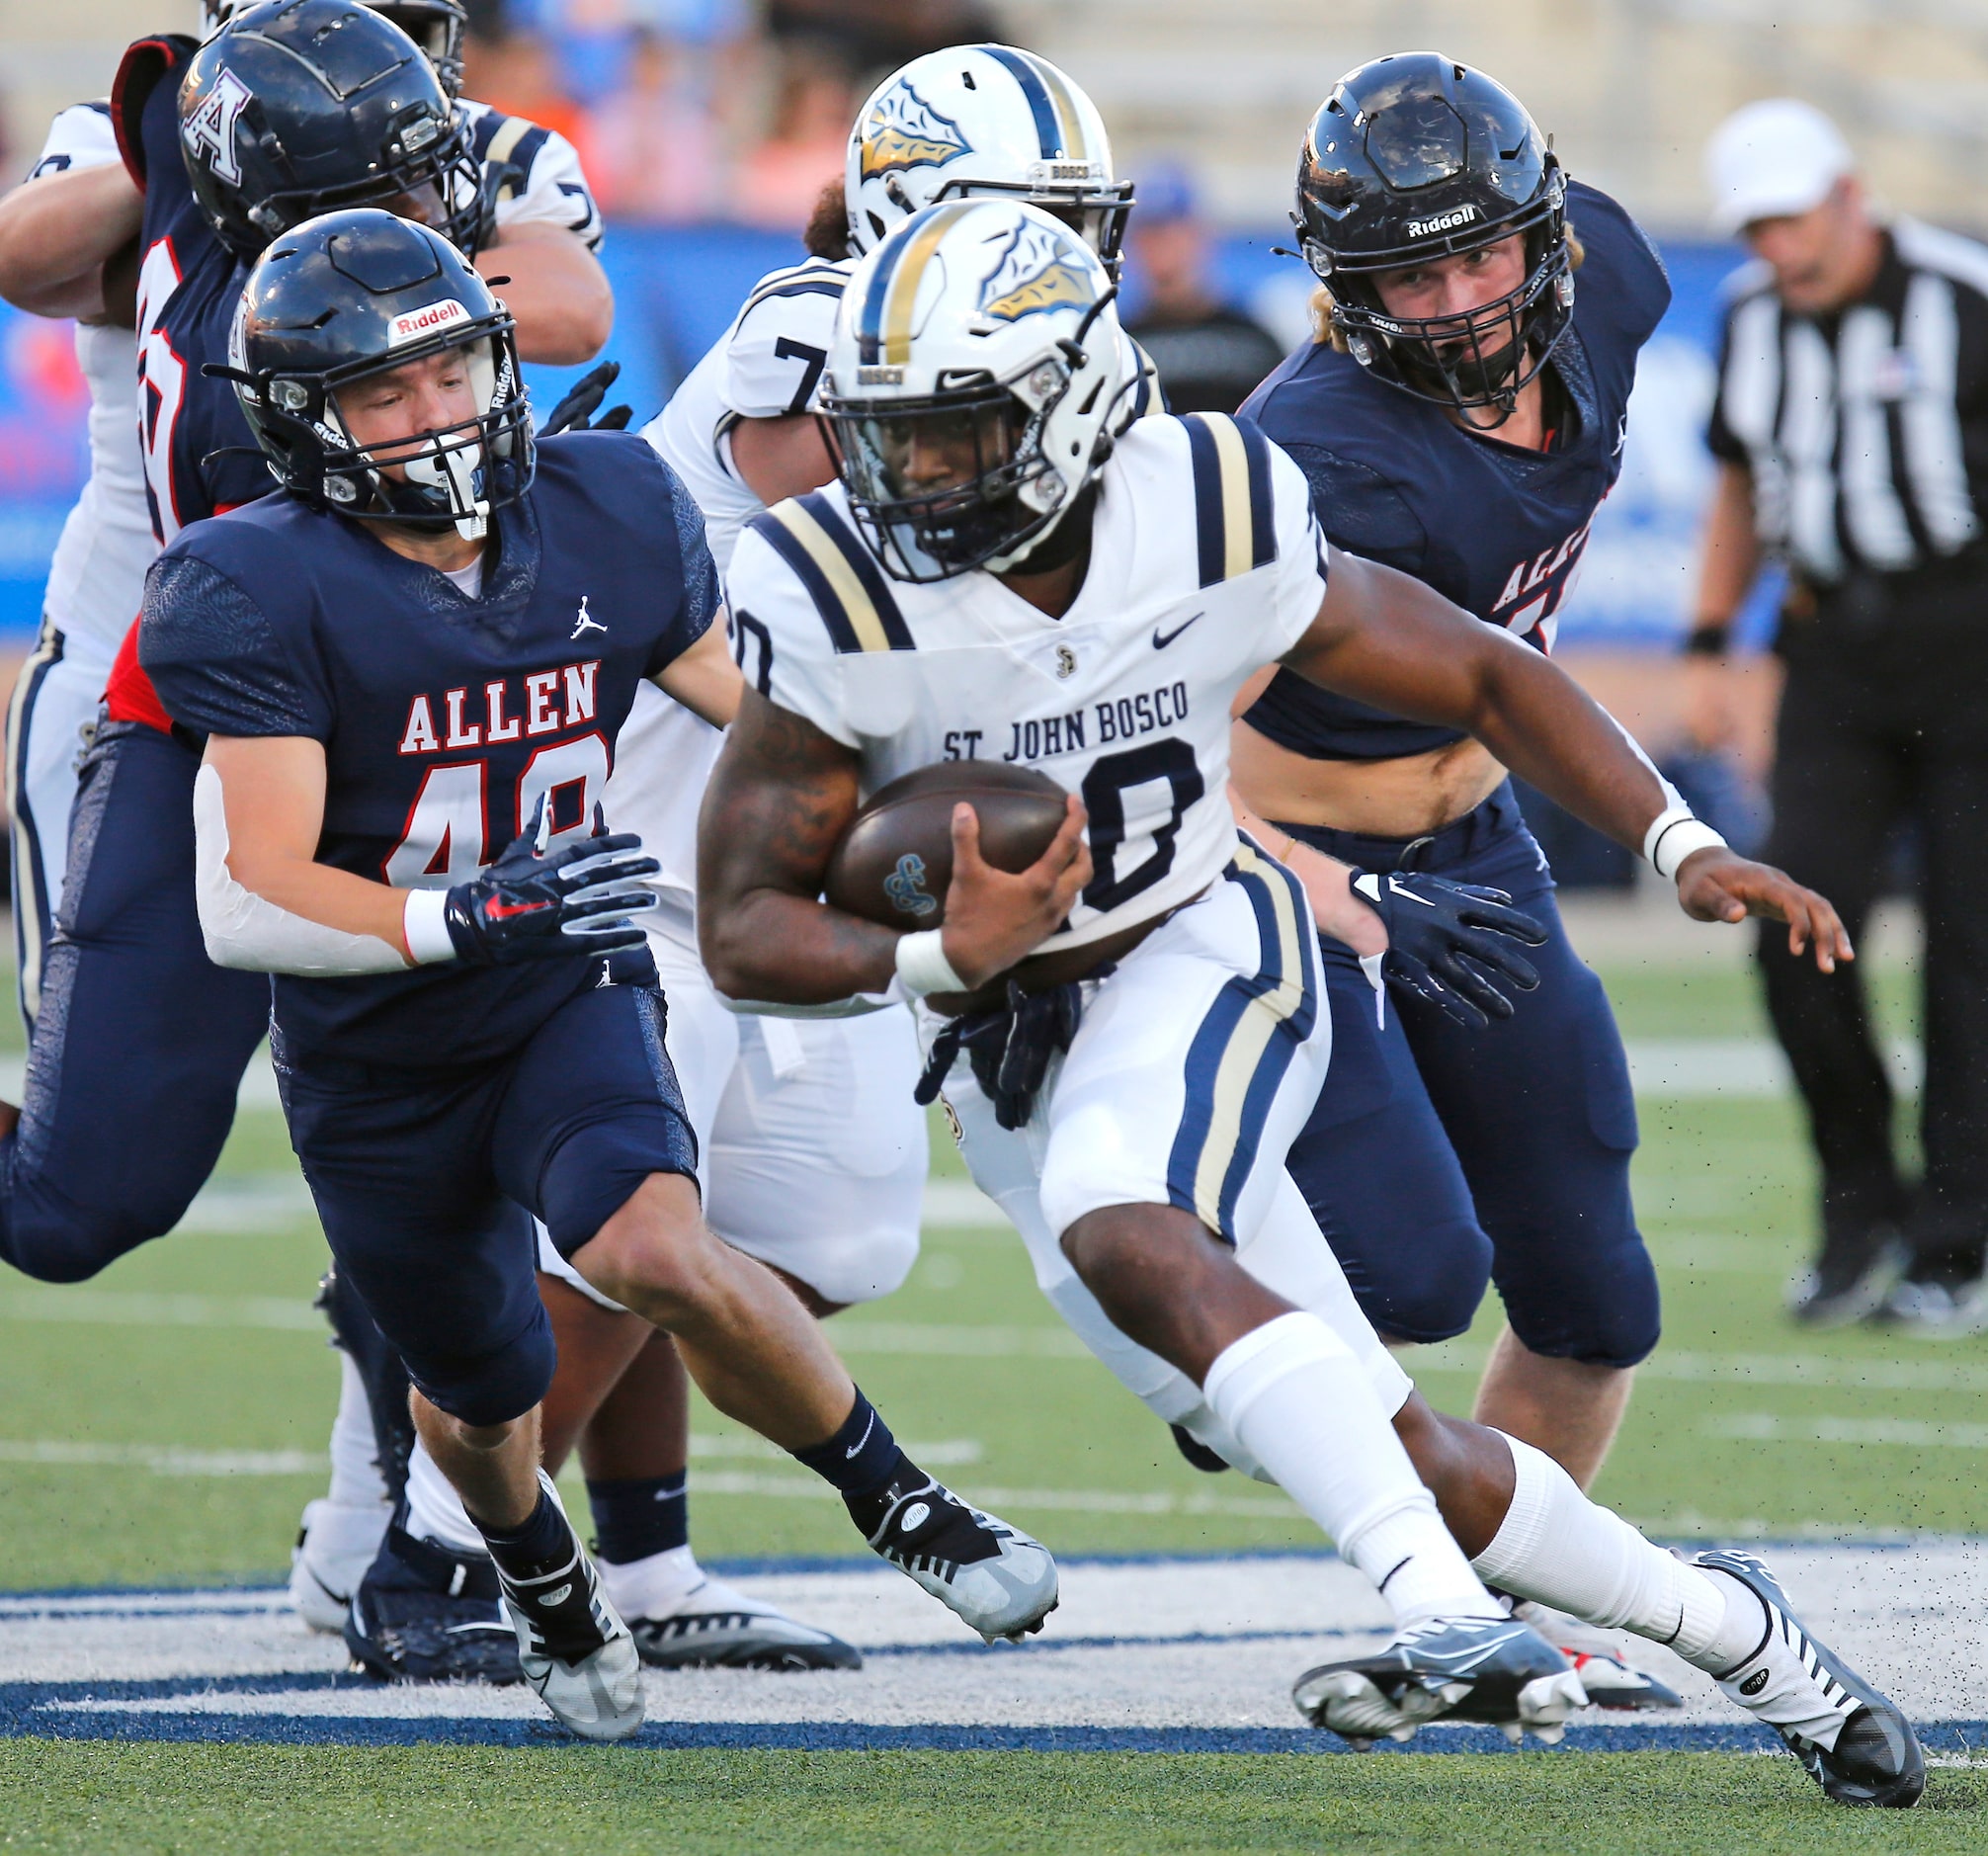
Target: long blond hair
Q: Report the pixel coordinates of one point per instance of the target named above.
(1322, 329)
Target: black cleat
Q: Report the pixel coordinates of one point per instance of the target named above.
(1854, 1742)
(426, 1614)
(1209, 1462)
(1494, 1671)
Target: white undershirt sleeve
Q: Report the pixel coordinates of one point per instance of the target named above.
(244, 931)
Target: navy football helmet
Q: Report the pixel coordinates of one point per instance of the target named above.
(353, 294)
(296, 108)
(438, 27)
(1413, 157)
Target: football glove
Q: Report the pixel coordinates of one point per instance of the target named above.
(529, 905)
(1448, 943)
(575, 414)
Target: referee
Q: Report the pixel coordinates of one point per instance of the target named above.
(1851, 430)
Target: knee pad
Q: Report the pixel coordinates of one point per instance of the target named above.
(496, 1386)
(1426, 1293)
(1607, 1314)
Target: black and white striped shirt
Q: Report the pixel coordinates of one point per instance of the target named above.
(1866, 429)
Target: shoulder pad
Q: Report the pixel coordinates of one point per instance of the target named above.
(146, 61)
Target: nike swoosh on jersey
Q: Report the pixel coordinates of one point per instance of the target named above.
(1160, 642)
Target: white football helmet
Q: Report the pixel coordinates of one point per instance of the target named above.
(983, 120)
(973, 385)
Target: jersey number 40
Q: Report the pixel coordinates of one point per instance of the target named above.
(452, 832)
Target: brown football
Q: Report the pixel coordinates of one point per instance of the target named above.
(895, 860)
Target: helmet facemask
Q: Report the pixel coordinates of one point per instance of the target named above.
(442, 476)
(954, 480)
(1478, 359)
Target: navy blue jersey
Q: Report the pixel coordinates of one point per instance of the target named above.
(444, 719)
(1497, 530)
(199, 456)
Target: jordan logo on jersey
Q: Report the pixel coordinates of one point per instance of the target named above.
(905, 131)
(212, 126)
(1039, 269)
(583, 623)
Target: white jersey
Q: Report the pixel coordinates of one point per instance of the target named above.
(767, 365)
(550, 187)
(98, 574)
(1206, 564)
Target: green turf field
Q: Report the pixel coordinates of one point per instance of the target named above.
(166, 1422)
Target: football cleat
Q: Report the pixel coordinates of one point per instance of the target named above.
(1610, 1680)
(996, 1577)
(1852, 1279)
(1494, 1671)
(575, 1651)
(714, 1627)
(336, 1542)
(1209, 1462)
(424, 1613)
(1856, 1744)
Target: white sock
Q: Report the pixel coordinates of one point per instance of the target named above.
(653, 1586)
(435, 1510)
(1300, 1403)
(356, 1481)
(1559, 1548)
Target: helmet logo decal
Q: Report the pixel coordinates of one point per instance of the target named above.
(412, 324)
(903, 130)
(210, 129)
(1442, 222)
(1037, 270)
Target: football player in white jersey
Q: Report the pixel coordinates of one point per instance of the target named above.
(98, 572)
(813, 1151)
(993, 576)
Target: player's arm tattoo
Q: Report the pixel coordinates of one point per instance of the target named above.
(781, 796)
(1388, 640)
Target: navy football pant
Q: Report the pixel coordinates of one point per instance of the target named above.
(426, 1181)
(1438, 1158)
(141, 1042)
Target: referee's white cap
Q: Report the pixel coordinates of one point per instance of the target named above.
(1772, 157)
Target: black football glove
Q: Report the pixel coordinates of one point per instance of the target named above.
(532, 907)
(575, 414)
(1450, 943)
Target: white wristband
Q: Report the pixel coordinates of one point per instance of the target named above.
(1673, 836)
(424, 924)
(923, 966)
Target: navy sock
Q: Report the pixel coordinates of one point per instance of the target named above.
(545, 1542)
(643, 1515)
(862, 1458)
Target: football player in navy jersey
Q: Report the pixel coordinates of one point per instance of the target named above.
(1460, 418)
(422, 649)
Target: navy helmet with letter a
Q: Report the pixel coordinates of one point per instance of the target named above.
(296, 108)
(438, 27)
(353, 294)
(1414, 157)
(973, 386)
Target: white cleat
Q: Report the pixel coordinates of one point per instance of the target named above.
(577, 1654)
(1611, 1681)
(1495, 1672)
(336, 1543)
(1000, 1580)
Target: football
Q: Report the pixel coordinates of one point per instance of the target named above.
(895, 860)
